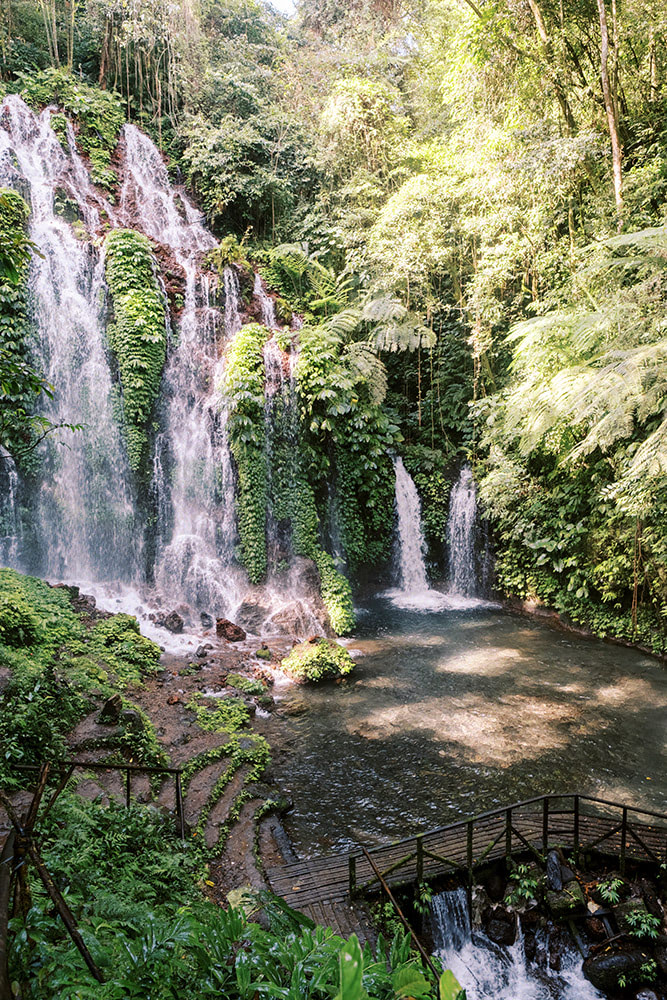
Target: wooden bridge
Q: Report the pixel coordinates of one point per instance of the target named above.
(579, 824)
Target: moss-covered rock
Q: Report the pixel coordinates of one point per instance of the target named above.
(317, 661)
(138, 334)
(243, 386)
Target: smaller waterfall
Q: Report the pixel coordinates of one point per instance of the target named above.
(267, 304)
(489, 971)
(11, 529)
(411, 545)
(461, 535)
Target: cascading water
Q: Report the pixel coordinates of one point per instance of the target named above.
(267, 304)
(11, 529)
(461, 535)
(411, 545)
(196, 550)
(88, 515)
(83, 514)
(488, 971)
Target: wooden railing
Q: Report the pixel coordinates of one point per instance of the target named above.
(67, 767)
(578, 823)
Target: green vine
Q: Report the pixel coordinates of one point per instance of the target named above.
(138, 334)
(243, 386)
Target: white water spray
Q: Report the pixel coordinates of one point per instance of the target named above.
(411, 545)
(461, 535)
(83, 513)
(488, 971)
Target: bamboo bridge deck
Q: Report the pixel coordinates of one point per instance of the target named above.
(579, 824)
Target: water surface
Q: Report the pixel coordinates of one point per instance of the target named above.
(454, 712)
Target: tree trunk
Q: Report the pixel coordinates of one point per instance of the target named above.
(547, 49)
(612, 118)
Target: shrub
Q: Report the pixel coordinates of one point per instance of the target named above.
(316, 661)
(18, 625)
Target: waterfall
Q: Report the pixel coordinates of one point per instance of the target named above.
(489, 971)
(267, 304)
(82, 513)
(461, 535)
(411, 545)
(11, 529)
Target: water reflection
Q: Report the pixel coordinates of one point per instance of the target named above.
(453, 713)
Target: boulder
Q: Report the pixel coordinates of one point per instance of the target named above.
(293, 619)
(111, 710)
(229, 631)
(202, 652)
(604, 968)
(554, 878)
(173, 622)
(207, 621)
(501, 926)
(566, 903)
(495, 887)
(251, 615)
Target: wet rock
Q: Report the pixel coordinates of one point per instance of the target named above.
(567, 875)
(660, 953)
(110, 714)
(566, 903)
(554, 878)
(207, 621)
(263, 652)
(495, 887)
(501, 926)
(131, 720)
(202, 652)
(251, 615)
(603, 969)
(293, 619)
(646, 995)
(229, 631)
(596, 929)
(173, 622)
(650, 898)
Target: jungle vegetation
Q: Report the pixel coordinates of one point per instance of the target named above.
(466, 202)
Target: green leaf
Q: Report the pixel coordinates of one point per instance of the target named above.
(449, 987)
(351, 969)
(409, 982)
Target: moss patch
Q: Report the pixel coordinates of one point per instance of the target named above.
(317, 661)
(137, 335)
(243, 386)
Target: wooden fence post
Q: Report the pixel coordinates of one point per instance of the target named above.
(508, 835)
(352, 875)
(624, 839)
(576, 829)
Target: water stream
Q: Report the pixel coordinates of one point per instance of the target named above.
(492, 972)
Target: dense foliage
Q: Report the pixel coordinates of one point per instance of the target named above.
(57, 665)
(20, 383)
(137, 333)
(244, 391)
(136, 893)
(415, 181)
